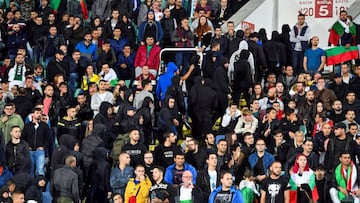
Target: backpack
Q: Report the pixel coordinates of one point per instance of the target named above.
(118, 144)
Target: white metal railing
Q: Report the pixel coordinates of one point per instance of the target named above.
(198, 52)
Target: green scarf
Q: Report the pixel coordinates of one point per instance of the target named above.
(18, 72)
(343, 181)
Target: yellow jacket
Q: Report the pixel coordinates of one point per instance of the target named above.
(132, 189)
(85, 80)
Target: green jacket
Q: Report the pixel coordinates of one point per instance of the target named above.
(14, 120)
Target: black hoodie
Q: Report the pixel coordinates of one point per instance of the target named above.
(34, 192)
(175, 91)
(100, 169)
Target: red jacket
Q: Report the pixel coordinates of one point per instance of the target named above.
(153, 61)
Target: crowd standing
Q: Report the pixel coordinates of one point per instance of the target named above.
(91, 112)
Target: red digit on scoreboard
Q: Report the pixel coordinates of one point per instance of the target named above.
(323, 8)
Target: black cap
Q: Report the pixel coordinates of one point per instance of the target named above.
(4, 81)
(131, 108)
(339, 125)
(59, 52)
(337, 75)
(254, 34)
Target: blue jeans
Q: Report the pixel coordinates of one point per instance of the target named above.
(38, 162)
(183, 59)
(297, 61)
(73, 81)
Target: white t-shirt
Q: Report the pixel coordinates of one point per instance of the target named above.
(213, 179)
(185, 194)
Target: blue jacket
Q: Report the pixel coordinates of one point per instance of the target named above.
(118, 45)
(159, 31)
(169, 174)
(125, 74)
(267, 160)
(119, 179)
(88, 51)
(237, 196)
(165, 81)
(5, 176)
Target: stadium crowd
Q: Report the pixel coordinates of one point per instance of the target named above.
(91, 112)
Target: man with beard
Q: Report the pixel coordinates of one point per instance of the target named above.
(324, 95)
(36, 133)
(210, 142)
(160, 191)
(305, 109)
(57, 66)
(269, 100)
(275, 187)
(337, 114)
(87, 48)
(195, 155)
(16, 74)
(165, 152)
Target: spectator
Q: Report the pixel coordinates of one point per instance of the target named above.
(17, 152)
(125, 64)
(57, 66)
(165, 152)
(223, 13)
(183, 37)
(270, 190)
(160, 190)
(148, 54)
(345, 35)
(226, 188)
(100, 96)
(142, 185)
(105, 55)
(208, 179)
(187, 187)
(118, 41)
(65, 185)
(175, 173)
(314, 57)
(15, 40)
(8, 120)
(16, 74)
(87, 48)
(89, 77)
(324, 95)
(259, 170)
(341, 189)
(164, 80)
(150, 27)
(299, 39)
(36, 133)
(135, 149)
(121, 174)
(70, 125)
(341, 142)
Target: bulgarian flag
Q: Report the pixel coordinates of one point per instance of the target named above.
(55, 4)
(307, 177)
(338, 30)
(340, 54)
(84, 9)
(346, 181)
